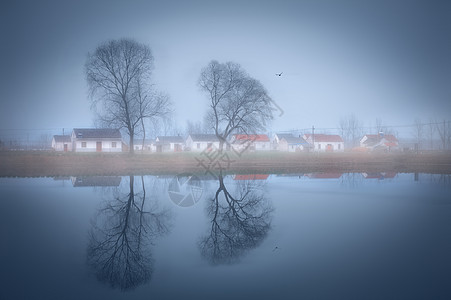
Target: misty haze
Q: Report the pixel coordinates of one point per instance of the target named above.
(225, 150)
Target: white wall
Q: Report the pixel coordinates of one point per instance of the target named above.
(91, 146)
(203, 145)
(262, 146)
(60, 146)
(147, 147)
(322, 146)
(258, 146)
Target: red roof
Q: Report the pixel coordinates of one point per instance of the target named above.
(333, 138)
(251, 177)
(252, 137)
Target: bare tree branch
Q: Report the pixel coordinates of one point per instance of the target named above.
(238, 103)
(118, 75)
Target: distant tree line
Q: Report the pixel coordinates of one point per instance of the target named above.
(424, 134)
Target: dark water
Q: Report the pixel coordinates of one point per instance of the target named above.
(306, 236)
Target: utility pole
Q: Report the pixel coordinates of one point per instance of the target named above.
(431, 135)
(449, 135)
(313, 137)
(444, 135)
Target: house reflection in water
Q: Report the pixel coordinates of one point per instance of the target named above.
(324, 175)
(380, 175)
(83, 181)
(251, 177)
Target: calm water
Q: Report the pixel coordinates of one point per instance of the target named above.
(306, 236)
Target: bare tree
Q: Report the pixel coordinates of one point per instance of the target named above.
(418, 132)
(240, 221)
(197, 127)
(444, 131)
(351, 129)
(118, 75)
(43, 142)
(193, 127)
(120, 239)
(381, 127)
(431, 133)
(152, 111)
(237, 102)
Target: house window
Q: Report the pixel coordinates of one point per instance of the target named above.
(136, 148)
(83, 144)
(113, 144)
(339, 146)
(319, 146)
(263, 146)
(198, 145)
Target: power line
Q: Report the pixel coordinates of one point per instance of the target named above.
(366, 127)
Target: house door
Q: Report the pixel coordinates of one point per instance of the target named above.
(159, 148)
(329, 148)
(65, 147)
(99, 146)
(177, 147)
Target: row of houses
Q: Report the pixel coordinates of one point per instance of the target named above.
(114, 181)
(110, 140)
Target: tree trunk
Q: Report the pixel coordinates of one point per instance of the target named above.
(144, 135)
(221, 145)
(132, 147)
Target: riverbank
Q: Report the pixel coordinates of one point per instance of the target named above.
(41, 163)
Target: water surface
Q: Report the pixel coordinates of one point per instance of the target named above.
(311, 236)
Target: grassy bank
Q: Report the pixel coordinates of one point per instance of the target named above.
(21, 163)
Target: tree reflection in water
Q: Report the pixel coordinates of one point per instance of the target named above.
(240, 220)
(121, 235)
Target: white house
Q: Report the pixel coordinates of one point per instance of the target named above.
(325, 142)
(96, 140)
(251, 142)
(149, 145)
(289, 143)
(62, 143)
(169, 143)
(381, 141)
(201, 142)
(82, 181)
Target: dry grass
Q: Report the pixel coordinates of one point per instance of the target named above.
(60, 164)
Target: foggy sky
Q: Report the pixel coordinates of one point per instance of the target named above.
(377, 59)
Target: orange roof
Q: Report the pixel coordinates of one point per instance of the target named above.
(252, 137)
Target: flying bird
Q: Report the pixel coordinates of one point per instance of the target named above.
(279, 74)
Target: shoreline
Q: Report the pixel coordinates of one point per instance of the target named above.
(49, 164)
